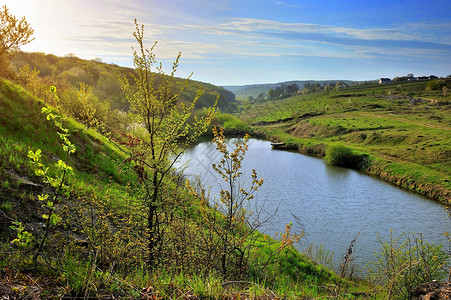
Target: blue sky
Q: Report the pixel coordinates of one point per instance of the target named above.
(228, 42)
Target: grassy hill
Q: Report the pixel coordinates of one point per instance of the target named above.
(67, 72)
(97, 249)
(401, 130)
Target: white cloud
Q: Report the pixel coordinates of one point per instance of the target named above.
(244, 25)
(91, 28)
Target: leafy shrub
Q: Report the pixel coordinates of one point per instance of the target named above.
(434, 85)
(343, 156)
(405, 262)
(230, 124)
(236, 124)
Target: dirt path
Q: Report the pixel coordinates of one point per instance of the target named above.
(404, 120)
(431, 100)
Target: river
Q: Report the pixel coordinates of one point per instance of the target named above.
(334, 204)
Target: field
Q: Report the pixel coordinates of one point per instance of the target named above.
(404, 129)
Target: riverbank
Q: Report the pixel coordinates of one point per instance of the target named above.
(412, 177)
(323, 196)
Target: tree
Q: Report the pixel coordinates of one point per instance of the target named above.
(292, 88)
(84, 106)
(233, 200)
(279, 91)
(13, 34)
(70, 55)
(232, 241)
(155, 107)
(58, 184)
(434, 85)
(261, 97)
(271, 93)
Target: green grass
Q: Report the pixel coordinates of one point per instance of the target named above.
(232, 125)
(407, 142)
(101, 177)
(25, 128)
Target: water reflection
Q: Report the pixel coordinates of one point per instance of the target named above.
(333, 203)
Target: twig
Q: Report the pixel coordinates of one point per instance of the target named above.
(347, 257)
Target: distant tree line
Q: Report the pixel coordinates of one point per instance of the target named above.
(284, 91)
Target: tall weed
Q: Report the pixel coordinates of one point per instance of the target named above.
(404, 262)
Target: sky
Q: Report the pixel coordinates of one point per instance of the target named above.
(237, 42)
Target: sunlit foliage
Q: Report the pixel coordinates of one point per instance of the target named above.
(13, 34)
(167, 133)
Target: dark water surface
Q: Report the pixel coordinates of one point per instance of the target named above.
(333, 203)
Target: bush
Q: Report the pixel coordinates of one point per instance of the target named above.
(236, 125)
(434, 85)
(405, 262)
(230, 124)
(343, 156)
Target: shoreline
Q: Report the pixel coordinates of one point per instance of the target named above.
(378, 167)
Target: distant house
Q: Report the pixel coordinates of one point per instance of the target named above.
(433, 77)
(384, 80)
(422, 78)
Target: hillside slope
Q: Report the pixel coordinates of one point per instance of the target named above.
(106, 79)
(404, 129)
(97, 249)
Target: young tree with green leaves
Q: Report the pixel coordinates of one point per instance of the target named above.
(230, 225)
(234, 199)
(168, 131)
(59, 183)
